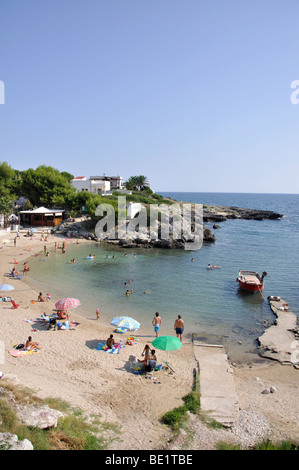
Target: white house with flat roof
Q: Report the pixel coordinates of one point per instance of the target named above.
(116, 182)
(94, 185)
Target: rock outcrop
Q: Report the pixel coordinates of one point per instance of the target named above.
(38, 417)
(221, 213)
(87, 228)
(280, 341)
(10, 441)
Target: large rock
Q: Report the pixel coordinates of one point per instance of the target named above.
(221, 213)
(39, 417)
(11, 442)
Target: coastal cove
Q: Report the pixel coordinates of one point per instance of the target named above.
(70, 367)
(216, 310)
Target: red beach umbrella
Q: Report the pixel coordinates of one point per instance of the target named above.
(67, 304)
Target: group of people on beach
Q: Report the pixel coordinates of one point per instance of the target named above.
(149, 355)
(178, 325)
(149, 358)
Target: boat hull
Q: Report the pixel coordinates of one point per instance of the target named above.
(250, 281)
(250, 287)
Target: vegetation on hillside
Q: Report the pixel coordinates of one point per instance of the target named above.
(74, 431)
(47, 186)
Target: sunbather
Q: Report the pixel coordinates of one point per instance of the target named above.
(14, 273)
(41, 298)
(147, 357)
(30, 345)
(110, 342)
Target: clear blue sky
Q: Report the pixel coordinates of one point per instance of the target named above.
(193, 94)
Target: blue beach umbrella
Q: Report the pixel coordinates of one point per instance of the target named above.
(125, 322)
(6, 287)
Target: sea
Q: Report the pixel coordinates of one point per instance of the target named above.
(211, 303)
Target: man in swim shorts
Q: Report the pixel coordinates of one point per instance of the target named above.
(179, 327)
(156, 323)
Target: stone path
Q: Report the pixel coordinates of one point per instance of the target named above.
(218, 396)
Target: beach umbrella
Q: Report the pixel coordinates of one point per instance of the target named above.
(67, 304)
(167, 343)
(126, 322)
(6, 287)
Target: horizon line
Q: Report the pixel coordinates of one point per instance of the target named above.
(226, 192)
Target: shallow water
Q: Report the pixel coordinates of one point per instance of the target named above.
(210, 301)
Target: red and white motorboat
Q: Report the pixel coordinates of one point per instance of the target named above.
(251, 281)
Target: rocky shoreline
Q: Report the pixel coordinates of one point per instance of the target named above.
(85, 228)
(222, 213)
(280, 340)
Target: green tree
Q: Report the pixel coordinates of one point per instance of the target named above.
(6, 208)
(137, 183)
(48, 187)
(6, 179)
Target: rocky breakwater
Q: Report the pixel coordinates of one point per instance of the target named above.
(165, 233)
(170, 227)
(280, 341)
(132, 233)
(222, 213)
(79, 228)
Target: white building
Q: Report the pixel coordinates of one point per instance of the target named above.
(116, 182)
(94, 184)
(132, 209)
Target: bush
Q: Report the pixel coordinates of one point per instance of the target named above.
(175, 417)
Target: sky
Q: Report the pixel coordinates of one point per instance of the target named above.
(193, 94)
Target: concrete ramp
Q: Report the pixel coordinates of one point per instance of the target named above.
(218, 396)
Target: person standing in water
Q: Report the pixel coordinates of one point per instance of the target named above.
(179, 327)
(157, 323)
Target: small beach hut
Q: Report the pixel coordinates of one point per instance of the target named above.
(42, 217)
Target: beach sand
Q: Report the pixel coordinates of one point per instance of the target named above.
(69, 367)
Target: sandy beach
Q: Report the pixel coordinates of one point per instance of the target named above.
(69, 367)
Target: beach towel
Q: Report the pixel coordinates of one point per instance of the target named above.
(22, 352)
(43, 318)
(113, 350)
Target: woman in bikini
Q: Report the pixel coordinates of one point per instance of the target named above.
(147, 356)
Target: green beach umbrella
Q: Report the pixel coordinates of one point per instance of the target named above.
(167, 343)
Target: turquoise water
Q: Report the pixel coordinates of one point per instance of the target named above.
(209, 301)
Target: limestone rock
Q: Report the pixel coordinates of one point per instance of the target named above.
(39, 417)
(11, 442)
